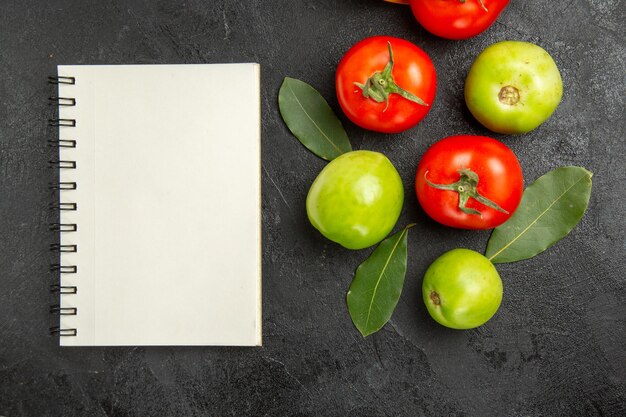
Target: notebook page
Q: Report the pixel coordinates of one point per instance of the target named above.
(168, 193)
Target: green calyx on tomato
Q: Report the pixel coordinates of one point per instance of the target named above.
(473, 157)
(380, 85)
(411, 68)
(466, 187)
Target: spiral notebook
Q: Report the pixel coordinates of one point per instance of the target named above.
(159, 235)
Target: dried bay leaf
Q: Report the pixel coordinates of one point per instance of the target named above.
(309, 117)
(377, 284)
(550, 208)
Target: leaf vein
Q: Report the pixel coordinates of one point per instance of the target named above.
(536, 219)
(382, 272)
(313, 121)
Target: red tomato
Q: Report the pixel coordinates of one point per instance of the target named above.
(457, 19)
(385, 84)
(469, 182)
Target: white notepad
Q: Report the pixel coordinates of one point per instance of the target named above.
(167, 215)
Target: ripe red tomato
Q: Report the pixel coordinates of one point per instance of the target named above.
(469, 182)
(385, 84)
(457, 19)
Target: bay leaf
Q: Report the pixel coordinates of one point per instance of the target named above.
(550, 208)
(377, 284)
(309, 117)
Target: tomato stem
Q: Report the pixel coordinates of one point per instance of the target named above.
(481, 4)
(466, 187)
(380, 85)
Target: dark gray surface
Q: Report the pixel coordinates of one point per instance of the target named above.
(555, 348)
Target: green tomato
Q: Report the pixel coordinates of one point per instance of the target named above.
(513, 87)
(356, 199)
(462, 289)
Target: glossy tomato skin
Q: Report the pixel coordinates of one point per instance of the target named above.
(462, 289)
(453, 19)
(513, 87)
(498, 170)
(413, 71)
(356, 199)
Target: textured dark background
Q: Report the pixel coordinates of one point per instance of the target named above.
(556, 346)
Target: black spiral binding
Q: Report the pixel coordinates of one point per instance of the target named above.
(56, 268)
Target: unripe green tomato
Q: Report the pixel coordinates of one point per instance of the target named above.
(513, 87)
(356, 199)
(462, 289)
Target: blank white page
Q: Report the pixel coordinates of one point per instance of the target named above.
(168, 205)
